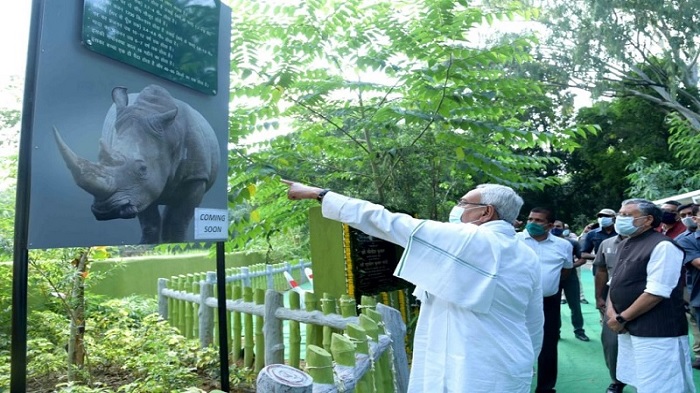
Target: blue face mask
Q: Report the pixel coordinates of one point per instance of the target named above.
(535, 229)
(557, 232)
(605, 221)
(625, 226)
(566, 232)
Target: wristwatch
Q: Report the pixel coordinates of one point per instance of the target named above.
(321, 195)
(620, 319)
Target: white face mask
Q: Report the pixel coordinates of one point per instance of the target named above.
(457, 212)
(456, 215)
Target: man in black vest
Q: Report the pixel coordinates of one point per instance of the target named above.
(645, 304)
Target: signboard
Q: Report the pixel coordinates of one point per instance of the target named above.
(176, 40)
(124, 151)
(373, 263)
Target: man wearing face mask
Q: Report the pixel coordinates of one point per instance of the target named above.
(556, 262)
(605, 230)
(690, 243)
(670, 222)
(645, 304)
(480, 322)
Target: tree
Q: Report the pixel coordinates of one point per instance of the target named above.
(388, 101)
(620, 48)
(601, 173)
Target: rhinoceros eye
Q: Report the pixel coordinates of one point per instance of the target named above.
(141, 169)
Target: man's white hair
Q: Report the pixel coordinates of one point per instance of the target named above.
(504, 199)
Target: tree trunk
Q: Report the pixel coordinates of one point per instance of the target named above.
(76, 346)
(280, 378)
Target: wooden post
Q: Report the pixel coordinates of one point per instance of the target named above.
(343, 351)
(249, 344)
(188, 307)
(359, 337)
(294, 332)
(319, 365)
(236, 325)
(229, 315)
(384, 362)
(270, 277)
(279, 378)
(272, 329)
(162, 300)
(259, 337)
(181, 305)
(211, 278)
(328, 307)
(195, 308)
(396, 328)
(373, 332)
(171, 302)
(348, 307)
(368, 302)
(206, 315)
(311, 329)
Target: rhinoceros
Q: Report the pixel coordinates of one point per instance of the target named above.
(155, 150)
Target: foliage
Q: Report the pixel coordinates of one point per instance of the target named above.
(617, 47)
(598, 175)
(659, 180)
(124, 337)
(389, 101)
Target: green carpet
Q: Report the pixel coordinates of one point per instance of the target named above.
(581, 364)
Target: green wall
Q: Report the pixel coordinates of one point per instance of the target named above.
(139, 276)
(327, 257)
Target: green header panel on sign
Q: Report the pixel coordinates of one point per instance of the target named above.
(173, 39)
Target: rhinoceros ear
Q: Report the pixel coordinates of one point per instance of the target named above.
(161, 121)
(120, 97)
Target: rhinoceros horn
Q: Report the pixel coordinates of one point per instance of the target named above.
(93, 178)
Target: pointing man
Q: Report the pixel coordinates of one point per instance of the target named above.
(480, 322)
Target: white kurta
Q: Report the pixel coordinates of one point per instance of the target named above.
(480, 322)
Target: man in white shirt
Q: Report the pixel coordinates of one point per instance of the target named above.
(480, 324)
(555, 264)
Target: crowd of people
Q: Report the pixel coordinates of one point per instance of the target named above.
(491, 289)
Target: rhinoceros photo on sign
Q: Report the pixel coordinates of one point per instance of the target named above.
(155, 150)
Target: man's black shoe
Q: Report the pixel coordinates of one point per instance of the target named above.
(584, 301)
(696, 363)
(615, 388)
(582, 336)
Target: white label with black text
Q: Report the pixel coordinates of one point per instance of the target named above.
(210, 224)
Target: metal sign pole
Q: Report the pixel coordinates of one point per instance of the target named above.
(223, 329)
(20, 269)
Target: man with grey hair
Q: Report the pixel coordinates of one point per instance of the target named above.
(480, 322)
(645, 304)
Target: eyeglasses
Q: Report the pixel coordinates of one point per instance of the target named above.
(463, 203)
(627, 215)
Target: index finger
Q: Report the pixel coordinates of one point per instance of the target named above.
(287, 182)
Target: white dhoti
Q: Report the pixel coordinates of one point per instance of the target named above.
(655, 364)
